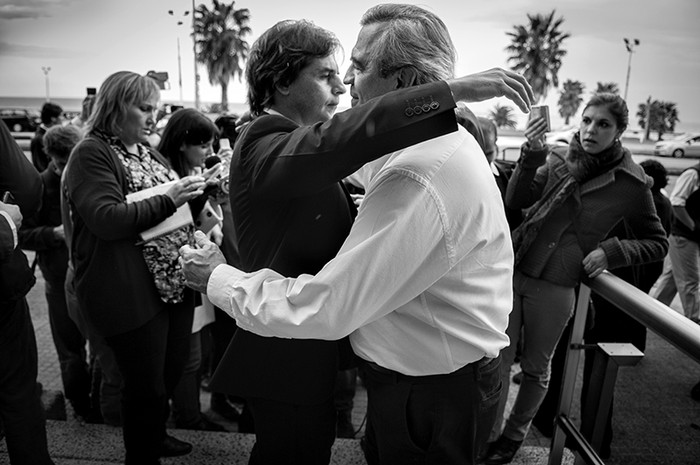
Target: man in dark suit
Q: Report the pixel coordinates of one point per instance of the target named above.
(292, 213)
(21, 411)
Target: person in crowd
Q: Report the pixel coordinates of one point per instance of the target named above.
(80, 120)
(485, 132)
(51, 115)
(132, 293)
(187, 141)
(425, 309)
(681, 272)
(221, 331)
(574, 201)
(607, 322)
(44, 234)
(21, 410)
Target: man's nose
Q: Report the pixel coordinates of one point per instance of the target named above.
(348, 76)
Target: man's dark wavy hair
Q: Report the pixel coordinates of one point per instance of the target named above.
(279, 55)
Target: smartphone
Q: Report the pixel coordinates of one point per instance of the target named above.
(224, 144)
(541, 111)
(91, 90)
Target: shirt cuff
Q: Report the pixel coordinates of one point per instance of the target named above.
(220, 289)
(15, 239)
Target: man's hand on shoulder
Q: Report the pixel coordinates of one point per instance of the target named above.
(199, 262)
(495, 82)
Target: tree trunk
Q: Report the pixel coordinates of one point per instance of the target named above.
(224, 96)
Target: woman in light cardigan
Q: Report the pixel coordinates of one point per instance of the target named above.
(573, 200)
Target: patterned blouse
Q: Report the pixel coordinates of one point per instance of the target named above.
(161, 254)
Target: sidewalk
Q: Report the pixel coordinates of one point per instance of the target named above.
(655, 420)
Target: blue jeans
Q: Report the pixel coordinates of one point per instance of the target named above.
(540, 313)
(438, 419)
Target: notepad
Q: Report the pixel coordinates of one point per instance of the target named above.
(181, 217)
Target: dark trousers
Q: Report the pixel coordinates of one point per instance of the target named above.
(21, 411)
(151, 359)
(439, 419)
(70, 345)
(292, 434)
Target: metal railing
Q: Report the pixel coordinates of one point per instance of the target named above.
(657, 317)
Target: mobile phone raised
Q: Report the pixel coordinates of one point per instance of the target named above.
(541, 111)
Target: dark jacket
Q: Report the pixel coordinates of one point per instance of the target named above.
(18, 176)
(37, 232)
(582, 223)
(36, 146)
(292, 213)
(113, 284)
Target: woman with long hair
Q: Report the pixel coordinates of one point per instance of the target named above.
(573, 200)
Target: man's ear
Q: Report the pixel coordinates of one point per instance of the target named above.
(406, 77)
(282, 89)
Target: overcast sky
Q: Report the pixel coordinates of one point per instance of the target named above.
(83, 41)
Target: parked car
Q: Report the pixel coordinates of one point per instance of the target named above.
(20, 120)
(687, 145)
(561, 137)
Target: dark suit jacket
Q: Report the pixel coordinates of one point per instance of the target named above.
(292, 213)
(18, 176)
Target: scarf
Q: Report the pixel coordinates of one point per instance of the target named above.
(581, 167)
(585, 166)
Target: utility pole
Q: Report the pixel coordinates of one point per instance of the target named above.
(629, 45)
(179, 60)
(46, 70)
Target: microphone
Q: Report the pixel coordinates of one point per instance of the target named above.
(211, 160)
(221, 186)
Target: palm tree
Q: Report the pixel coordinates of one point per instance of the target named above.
(570, 99)
(607, 87)
(221, 47)
(658, 116)
(502, 115)
(536, 51)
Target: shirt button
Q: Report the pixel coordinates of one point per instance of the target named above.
(417, 110)
(425, 108)
(551, 245)
(409, 112)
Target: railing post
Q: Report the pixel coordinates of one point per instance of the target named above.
(573, 357)
(607, 359)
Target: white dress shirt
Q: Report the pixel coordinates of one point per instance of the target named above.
(423, 283)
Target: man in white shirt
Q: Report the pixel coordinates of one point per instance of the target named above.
(423, 283)
(681, 272)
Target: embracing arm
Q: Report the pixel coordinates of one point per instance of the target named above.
(379, 268)
(310, 158)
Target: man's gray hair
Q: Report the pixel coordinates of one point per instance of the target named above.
(413, 37)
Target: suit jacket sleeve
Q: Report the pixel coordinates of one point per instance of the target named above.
(308, 159)
(18, 175)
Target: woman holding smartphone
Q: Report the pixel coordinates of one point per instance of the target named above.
(573, 199)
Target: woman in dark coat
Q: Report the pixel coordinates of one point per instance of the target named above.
(573, 202)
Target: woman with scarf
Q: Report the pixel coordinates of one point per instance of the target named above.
(132, 292)
(573, 200)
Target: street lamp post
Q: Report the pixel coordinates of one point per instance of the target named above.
(629, 44)
(179, 60)
(46, 70)
(196, 72)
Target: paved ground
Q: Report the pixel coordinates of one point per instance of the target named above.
(656, 421)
